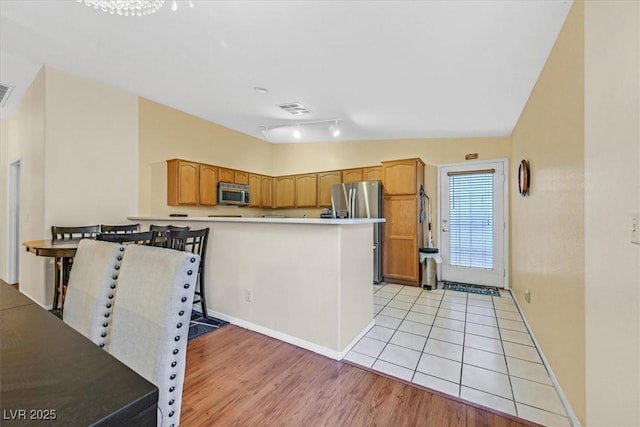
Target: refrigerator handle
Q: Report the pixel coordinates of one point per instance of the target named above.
(350, 204)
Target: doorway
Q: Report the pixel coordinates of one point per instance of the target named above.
(473, 231)
(14, 197)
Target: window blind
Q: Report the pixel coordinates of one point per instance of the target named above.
(471, 219)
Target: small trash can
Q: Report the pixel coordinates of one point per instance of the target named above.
(428, 259)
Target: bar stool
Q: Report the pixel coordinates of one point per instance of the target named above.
(194, 241)
(162, 229)
(63, 265)
(147, 238)
(126, 228)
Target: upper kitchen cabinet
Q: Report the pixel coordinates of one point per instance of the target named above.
(402, 177)
(352, 175)
(190, 183)
(285, 189)
(326, 180)
(255, 190)
(208, 194)
(266, 200)
(373, 173)
(226, 175)
(241, 177)
(182, 182)
(307, 190)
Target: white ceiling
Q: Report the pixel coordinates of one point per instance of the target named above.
(386, 69)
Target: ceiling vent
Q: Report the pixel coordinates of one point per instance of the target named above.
(294, 108)
(5, 91)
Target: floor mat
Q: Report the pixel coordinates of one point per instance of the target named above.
(474, 289)
(200, 326)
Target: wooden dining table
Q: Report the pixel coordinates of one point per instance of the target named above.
(62, 249)
(53, 375)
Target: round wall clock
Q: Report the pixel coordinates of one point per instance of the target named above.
(523, 178)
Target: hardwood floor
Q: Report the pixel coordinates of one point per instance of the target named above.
(236, 377)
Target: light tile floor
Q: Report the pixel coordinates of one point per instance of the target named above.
(475, 347)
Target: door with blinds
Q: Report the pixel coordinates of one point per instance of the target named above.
(472, 223)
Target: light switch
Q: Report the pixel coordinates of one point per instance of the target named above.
(635, 228)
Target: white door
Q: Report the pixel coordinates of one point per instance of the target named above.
(473, 223)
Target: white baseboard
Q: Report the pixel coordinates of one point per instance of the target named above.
(573, 419)
(298, 342)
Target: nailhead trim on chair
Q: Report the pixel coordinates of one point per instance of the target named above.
(109, 305)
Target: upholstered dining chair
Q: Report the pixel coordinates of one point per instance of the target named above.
(63, 265)
(126, 228)
(141, 238)
(91, 289)
(150, 325)
(194, 241)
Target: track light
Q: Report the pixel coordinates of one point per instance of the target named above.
(174, 5)
(315, 130)
(334, 129)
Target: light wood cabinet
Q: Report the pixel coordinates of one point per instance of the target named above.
(402, 232)
(373, 173)
(208, 194)
(226, 175)
(191, 183)
(352, 175)
(266, 200)
(326, 180)
(307, 190)
(402, 177)
(182, 182)
(285, 189)
(241, 177)
(255, 190)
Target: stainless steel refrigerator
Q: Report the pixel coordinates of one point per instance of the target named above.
(362, 200)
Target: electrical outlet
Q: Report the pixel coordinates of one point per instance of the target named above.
(248, 295)
(527, 296)
(635, 228)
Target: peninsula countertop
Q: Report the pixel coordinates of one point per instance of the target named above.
(272, 220)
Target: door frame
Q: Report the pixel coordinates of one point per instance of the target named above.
(14, 188)
(482, 164)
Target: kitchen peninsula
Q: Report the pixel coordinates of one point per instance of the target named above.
(304, 281)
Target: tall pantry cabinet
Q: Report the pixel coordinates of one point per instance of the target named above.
(403, 231)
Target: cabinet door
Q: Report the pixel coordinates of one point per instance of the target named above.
(182, 183)
(352, 175)
(226, 175)
(373, 173)
(325, 183)
(401, 237)
(241, 177)
(285, 192)
(265, 190)
(255, 190)
(402, 176)
(208, 185)
(307, 190)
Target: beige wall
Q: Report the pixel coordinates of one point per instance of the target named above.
(77, 143)
(26, 139)
(612, 190)
(547, 226)
(298, 158)
(4, 146)
(91, 152)
(166, 133)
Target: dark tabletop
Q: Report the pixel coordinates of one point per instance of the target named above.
(52, 375)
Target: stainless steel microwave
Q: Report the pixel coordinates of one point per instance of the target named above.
(233, 194)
